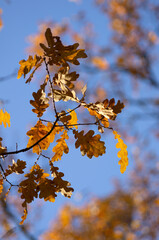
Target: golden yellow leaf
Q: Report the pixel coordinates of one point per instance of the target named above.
(4, 118)
(55, 131)
(123, 154)
(27, 65)
(89, 144)
(35, 134)
(73, 121)
(61, 147)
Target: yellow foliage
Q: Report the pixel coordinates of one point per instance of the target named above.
(61, 147)
(73, 121)
(4, 118)
(27, 65)
(39, 131)
(89, 144)
(123, 154)
(35, 134)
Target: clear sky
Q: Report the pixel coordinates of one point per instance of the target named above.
(90, 177)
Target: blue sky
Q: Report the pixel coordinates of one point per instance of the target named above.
(91, 177)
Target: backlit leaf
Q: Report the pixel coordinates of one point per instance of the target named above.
(122, 154)
(59, 54)
(73, 121)
(89, 144)
(4, 118)
(61, 147)
(27, 65)
(16, 167)
(40, 102)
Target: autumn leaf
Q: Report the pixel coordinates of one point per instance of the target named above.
(89, 144)
(73, 121)
(4, 118)
(40, 102)
(122, 154)
(61, 147)
(47, 190)
(35, 134)
(63, 79)
(59, 54)
(24, 216)
(16, 167)
(28, 187)
(55, 131)
(27, 65)
(61, 185)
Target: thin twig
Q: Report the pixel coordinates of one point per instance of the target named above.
(33, 145)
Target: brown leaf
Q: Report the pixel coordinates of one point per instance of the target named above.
(89, 144)
(40, 102)
(59, 54)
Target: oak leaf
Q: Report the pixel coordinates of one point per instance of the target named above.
(16, 167)
(63, 79)
(73, 121)
(122, 154)
(59, 54)
(61, 185)
(89, 144)
(4, 118)
(27, 65)
(35, 134)
(61, 147)
(40, 102)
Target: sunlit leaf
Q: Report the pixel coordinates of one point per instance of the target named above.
(59, 54)
(122, 154)
(89, 144)
(4, 118)
(73, 121)
(27, 65)
(40, 102)
(61, 147)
